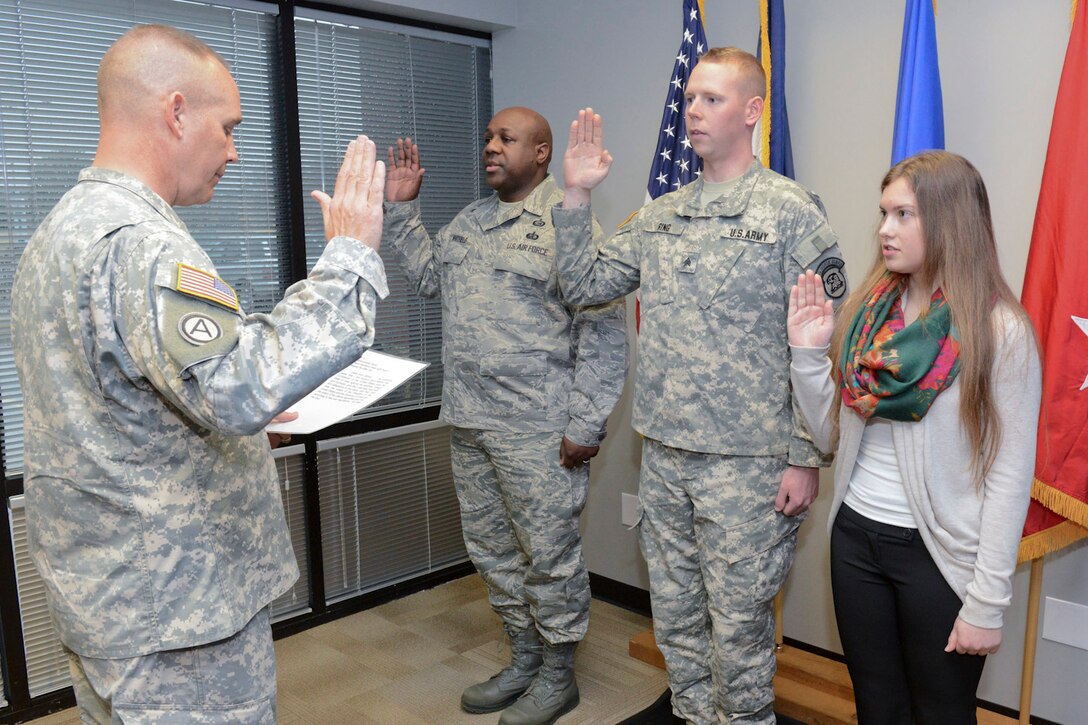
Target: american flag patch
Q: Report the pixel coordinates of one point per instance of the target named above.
(196, 282)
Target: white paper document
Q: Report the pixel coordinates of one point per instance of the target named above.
(355, 387)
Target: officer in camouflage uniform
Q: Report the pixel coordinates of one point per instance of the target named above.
(153, 506)
(529, 382)
(728, 469)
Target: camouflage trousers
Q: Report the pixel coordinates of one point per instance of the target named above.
(717, 553)
(519, 515)
(229, 681)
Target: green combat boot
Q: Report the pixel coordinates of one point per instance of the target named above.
(502, 690)
(553, 693)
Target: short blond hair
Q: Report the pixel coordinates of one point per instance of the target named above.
(747, 66)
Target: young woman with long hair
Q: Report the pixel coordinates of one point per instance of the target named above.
(930, 382)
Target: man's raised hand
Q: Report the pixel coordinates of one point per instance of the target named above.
(586, 161)
(403, 175)
(355, 208)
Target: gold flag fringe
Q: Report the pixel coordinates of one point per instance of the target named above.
(1061, 503)
(1056, 537)
(1046, 542)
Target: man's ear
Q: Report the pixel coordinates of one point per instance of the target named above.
(753, 111)
(543, 149)
(175, 109)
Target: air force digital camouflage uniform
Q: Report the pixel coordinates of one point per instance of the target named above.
(153, 508)
(522, 369)
(713, 400)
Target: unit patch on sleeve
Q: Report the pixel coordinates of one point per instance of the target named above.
(199, 329)
(830, 270)
(192, 331)
(198, 283)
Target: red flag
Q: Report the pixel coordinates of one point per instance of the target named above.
(1056, 296)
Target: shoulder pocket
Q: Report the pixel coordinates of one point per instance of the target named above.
(193, 330)
(812, 247)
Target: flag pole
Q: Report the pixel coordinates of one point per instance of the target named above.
(1027, 675)
(1051, 226)
(765, 157)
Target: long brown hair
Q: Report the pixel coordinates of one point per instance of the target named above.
(961, 255)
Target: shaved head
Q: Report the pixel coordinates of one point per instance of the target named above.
(531, 122)
(150, 61)
(167, 110)
(517, 151)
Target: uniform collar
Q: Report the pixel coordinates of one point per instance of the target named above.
(689, 198)
(491, 215)
(135, 187)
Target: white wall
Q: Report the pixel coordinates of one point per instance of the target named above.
(1000, 62)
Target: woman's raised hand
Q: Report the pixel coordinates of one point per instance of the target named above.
(811, 318)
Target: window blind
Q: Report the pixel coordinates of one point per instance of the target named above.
(389, 82)
(49, 54)
(290, 464)
(47, 665)
(389, 510)
(46, 662)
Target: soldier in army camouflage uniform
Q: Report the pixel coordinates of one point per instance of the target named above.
(529, 382)
(153, 509)
(727, 466)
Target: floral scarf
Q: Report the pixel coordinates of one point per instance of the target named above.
(895, 371)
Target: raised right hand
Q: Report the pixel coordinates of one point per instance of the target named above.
(355, 208)
(403, 175)
(586, 161)
(811, 320)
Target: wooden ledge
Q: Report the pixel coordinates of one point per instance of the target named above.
(807, 687)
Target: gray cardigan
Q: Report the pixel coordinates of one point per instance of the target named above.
(972, 532)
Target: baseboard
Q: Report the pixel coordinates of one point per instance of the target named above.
(39, 707)
(356, 604)
(626, 596)
(829, 654)
(811, 688)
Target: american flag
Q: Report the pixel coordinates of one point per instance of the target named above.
(675, 163)
(193, 281)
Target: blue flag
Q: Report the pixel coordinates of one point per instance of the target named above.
(777, 151)
(675, 163)
(919, 111)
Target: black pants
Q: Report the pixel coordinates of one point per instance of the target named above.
(895, 612)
